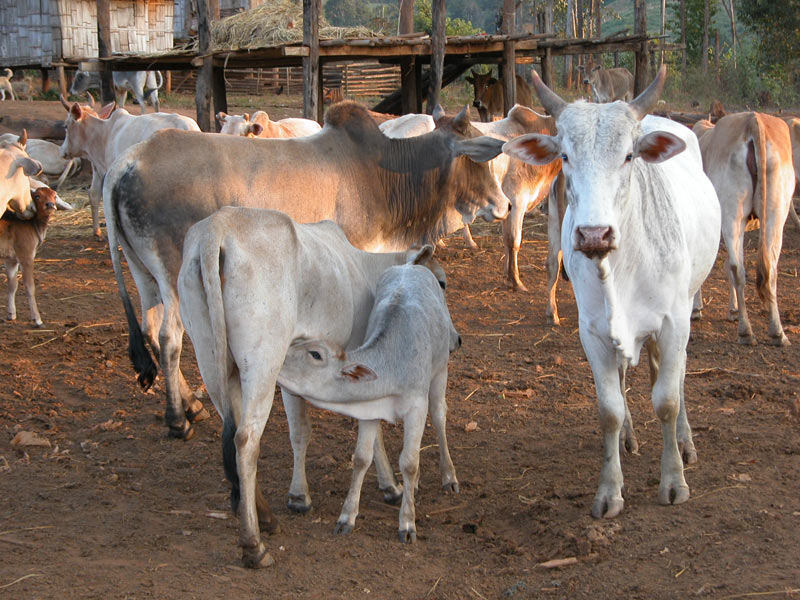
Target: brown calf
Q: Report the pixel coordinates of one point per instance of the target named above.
(19, 241)
(489, 94)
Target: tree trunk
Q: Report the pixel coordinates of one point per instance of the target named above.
(704, 56)
(312, 82)
(409, 91)
(438, 39)
(405, 23)
(202, 97)
(509, 58)
(731, 10)
(663, 30)
(570, 29)
(640, 75)
(597, 6)
(104, 49)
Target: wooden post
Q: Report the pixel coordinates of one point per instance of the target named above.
(104, 49)
(409, 90)
(312, 100)
(218, 93)
(509, 58)
(640, 76)
(570, 29)
(438, 40)
(547, 68)
(45, 80)
(418, 85)
(167, 82)
(62, 80)
(202, 98)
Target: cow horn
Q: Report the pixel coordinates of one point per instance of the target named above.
(64, 102)
(461, 120)
(63, 205)
(23, 139)
(438, 113)
(551, 101)
(90, 98)
(644, 102)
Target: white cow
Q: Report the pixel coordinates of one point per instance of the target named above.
(640, 235)
(399, 372)
(282, 281)
(49, 155)
(143, 85)
(103, 137)
(260, 125)
(15, 169)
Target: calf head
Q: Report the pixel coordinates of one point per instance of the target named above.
(590, 76)
(480, 84)
(475, 190)
(597, 144)
(46, 201)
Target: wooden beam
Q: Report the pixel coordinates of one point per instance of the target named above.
(202, 98)
(438, 43)
(62, 80)
(509, 72)
(104, 49)
(312, 102)
(640, 75)
(45, 80)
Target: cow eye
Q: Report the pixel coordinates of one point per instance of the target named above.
(315, 355)
(564, 157)
(629, 157)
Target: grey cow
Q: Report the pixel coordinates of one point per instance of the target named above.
(143, 85)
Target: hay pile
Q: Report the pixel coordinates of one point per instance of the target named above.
(273, 23)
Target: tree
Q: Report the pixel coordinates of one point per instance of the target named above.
(694, 24)
(344, 13)
(777, 28)
(423, 21)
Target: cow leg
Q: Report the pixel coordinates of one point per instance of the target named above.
(468, 237)
(437, 407)
(413, 428)
(512, 239)
(12, 267)
(697, 305)
(627, 435)
(608, 501)
(392, 493)
(170, 339)
(122, 96)
(362, 459)
(30, 289)
(140, 100)
(554, 254)
(767, 280)
(667, 403)
(733, 227)
(299, 435)
(153, 98)
(95, 199)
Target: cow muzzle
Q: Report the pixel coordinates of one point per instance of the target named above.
(477, 104)
(495, 212)
(594, 241)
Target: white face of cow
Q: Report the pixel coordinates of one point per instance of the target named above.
(598, 145)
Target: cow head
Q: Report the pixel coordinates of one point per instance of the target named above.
(15, 169)
(480, 84)
(476, 191)
(78, 123)
(598, 145)
(81, 83)
(239, 125)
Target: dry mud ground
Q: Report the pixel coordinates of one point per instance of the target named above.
(115, 509)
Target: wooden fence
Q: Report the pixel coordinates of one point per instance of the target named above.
(365, 79)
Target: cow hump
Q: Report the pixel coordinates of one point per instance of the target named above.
(353, 118)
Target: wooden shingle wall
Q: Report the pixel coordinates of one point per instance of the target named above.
(25, 32)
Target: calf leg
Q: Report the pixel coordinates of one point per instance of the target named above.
(12, 267)
(299, 435)
(30, 289)
(392, 493)
(468, 237)
(627, 435)
(512, 240)
(733, 235)
(437, 407)
(362, 458)
(153, 98)
(413, 427)
(95, 199)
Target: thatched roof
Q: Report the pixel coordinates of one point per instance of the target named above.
(274, 23)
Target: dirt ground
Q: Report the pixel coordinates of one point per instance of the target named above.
(112, 508)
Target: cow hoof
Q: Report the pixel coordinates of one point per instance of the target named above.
(697, 315)
(11, 318)
(185, 432)
(733, 316)
(343, 528)
(451, 487)
(554, 319)
(472, 245)
(607, 507)
(628, 444)
(779, 340)
(257, 558)
(299, 504)
(198, 415)
(673, 494)
(407, 536)
(747, 340)
(688, 452)
(518, 286)
(392, 494)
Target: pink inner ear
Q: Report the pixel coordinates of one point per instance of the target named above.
(532, 150)
(358, 373)
(658, 147)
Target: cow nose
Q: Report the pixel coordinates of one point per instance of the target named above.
(594, 242)
(586, 82)
(50, 205)
(476, 103)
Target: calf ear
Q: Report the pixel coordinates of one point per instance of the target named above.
(658, 146)
(533, 148)
(256, 129)
(597, 68)
(479, 149)
(108, 110)
(358, 373)
(420, 256)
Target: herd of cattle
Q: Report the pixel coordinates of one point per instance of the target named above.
(303, 256)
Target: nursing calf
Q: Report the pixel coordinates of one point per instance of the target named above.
(260, 125)
(640, 234)
(252, 283)
(399, 372)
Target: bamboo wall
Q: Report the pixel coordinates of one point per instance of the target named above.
(39, 32)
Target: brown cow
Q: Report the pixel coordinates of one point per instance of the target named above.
(609, 84)
(19, 241)
(489, 94)
(748, 157)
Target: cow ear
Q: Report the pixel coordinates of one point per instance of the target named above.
(533, 148)
(256, 129)
(108, 110)
(358, 373)
(479, 149)
(420, 256)
(658, 146)
(221, 116)
(438, 113)
(75, 111)
(30, 167)
(597, 68)
(246, 116)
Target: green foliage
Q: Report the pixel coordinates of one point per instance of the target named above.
(694, 26)
(777, 29)
(423, 21)
(344, 13)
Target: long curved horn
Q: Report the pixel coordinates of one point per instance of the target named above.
(64, 102)
(550, 100)
(90, 98)
(644, 102)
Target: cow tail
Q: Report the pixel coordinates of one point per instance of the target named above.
(212, 260)
(137, 351)
(159, 80)
(760, 196)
